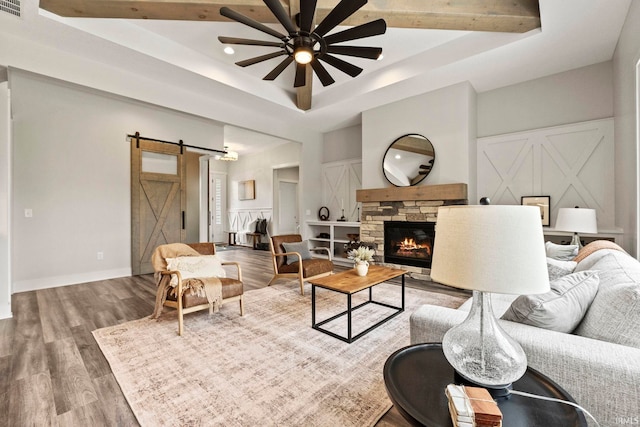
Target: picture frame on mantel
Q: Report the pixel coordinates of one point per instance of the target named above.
(543, 202)
(247, 190)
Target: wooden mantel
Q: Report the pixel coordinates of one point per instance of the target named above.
(423, 192)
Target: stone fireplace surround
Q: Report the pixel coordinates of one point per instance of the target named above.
(419, 204)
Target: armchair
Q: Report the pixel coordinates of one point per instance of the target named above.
(184, 299)
(301, 268)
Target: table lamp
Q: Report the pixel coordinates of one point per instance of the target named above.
(488, 249)
(577, 220)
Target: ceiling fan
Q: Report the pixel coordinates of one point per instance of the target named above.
(304, 44)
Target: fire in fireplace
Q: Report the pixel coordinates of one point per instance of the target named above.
(408, 243)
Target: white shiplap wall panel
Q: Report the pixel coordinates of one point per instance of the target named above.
(573, 164)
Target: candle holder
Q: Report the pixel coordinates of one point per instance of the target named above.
(342, 218)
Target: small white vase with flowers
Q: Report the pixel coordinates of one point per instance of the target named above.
(361, 258)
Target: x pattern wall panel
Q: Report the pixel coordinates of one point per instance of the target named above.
(573, 164)
(340, 180)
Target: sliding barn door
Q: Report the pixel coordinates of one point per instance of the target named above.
(158, 200)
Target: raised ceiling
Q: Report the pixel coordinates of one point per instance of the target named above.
(573, 33)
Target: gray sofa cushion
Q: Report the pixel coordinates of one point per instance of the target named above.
(558, 268)
(614, 315)
(561, 252)
(560, 309)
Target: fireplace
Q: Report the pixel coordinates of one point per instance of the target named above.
(408, 243)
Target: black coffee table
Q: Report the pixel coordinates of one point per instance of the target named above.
(416, 377)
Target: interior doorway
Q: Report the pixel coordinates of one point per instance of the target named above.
(288, 207)
(285, 203)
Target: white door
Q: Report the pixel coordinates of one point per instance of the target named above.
(288, 208)
(217, 206)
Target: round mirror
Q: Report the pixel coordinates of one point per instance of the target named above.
(408, 160)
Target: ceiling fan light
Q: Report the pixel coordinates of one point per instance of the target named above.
(303, 54)
(229, 50)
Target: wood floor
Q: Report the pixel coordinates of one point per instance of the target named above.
(52, 372)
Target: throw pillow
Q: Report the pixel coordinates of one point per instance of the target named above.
(558, 269)
(301, 247)
(191, 267)
(561, 252)
(560, 309)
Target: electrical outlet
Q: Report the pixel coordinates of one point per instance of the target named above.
(308, 212)
(100, 256)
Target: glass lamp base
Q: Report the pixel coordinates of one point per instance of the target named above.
(496, 393)
(480, 351)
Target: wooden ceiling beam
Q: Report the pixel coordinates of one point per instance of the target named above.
(516, 16)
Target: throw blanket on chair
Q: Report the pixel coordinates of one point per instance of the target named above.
(211, 287)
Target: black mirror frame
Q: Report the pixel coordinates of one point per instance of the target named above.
(413, 179)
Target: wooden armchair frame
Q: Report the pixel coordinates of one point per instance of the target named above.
(299, 274)
(203, 249)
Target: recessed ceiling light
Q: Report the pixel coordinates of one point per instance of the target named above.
(398, 156)
(229, 50)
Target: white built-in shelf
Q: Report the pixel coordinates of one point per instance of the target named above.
(337, 231)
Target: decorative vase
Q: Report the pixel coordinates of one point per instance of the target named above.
(362, 267)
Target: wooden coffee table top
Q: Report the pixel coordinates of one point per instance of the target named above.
(348, 281)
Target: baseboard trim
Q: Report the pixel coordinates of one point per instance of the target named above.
(73, 279)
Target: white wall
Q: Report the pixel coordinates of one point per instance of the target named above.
(5, 190)
(343, 144)
(574, 96)
(446, 117)
(72, 168)
(626, 98)
(259, 167)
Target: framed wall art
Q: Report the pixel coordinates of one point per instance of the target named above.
(247, 190)
(543, 202)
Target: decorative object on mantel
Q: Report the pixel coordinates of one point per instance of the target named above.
(361, 257)
(542, 202)
(577, 220)
(486, 239)
(408, 160)
(323, 213)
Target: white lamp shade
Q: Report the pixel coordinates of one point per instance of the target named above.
(491, 249)
(577, 220)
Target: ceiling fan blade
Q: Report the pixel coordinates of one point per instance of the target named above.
(301, 75)
(322, 73)
(373, 28)
(359, 51)
(249, 42)
(342, 11)
(341, 65)
(232, 14)
(279, 69)
(307, 10)
(257, 59)
(281, 15)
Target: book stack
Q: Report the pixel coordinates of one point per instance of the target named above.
(472, 407)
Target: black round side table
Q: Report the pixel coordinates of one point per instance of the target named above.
(416, 377)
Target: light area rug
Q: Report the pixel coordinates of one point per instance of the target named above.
(266, 368)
